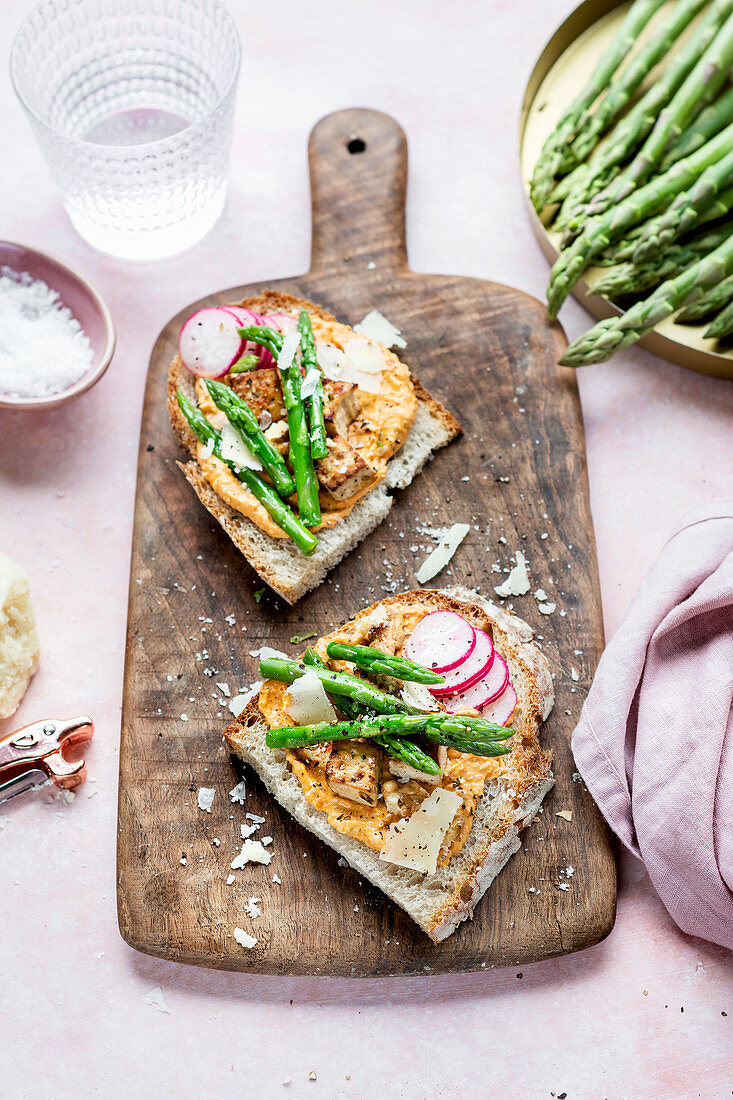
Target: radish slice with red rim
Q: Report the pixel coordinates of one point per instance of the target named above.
(485, 691)
(441, 641)
(247, 317)
(209, 343)
(501, 710)
(470, 671)
(283, 322)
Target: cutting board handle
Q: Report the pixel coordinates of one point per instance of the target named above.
(358, 170)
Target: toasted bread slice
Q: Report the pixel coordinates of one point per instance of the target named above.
(278, 561)
(438, 902)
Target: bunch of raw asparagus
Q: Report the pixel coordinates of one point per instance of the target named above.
(638, 177)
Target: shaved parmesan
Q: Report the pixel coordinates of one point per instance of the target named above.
(376, 326)
(234, 449)
(208, 448)
(417, 695)
(289, 348)
(443, 552)
(310, 383)
(361, 363)
(308, 701)
(331, 360)
(267, 651)
(415, 841)
(517, 583)
(252, 852)
(243, 938)
(239, 702)
(205, 798)
(366, 355)
(239, 793)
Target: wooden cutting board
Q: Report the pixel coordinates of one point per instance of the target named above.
(518, 475)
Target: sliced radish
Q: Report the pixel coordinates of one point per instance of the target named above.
(283, 322)
(247, 317)
(470, 671)
(441, 641)
(210, 344)
(489, 688)
(501, 710)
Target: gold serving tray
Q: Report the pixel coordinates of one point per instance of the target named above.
(560, 72)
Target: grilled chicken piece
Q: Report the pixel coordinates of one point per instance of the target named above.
(316, 754)
(262, 391)
(353, 771)
(403, 800)
(341, 405)
(343, 472)
(403, 771)
(278, 435)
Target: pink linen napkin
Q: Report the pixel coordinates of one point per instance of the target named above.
(655, 739)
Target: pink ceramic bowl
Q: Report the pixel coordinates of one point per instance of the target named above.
(85, 304)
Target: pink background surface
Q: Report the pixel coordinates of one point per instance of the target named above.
(659, 440)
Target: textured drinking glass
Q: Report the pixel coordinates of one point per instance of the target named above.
(132, 102)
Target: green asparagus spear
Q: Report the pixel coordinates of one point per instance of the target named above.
(318, 444)
(645, 201)
(707, 124)
(268, 338)
(448, 732)
(621, 90)
(342, 685)
(366, 657)
(608, 337)
(396, 747)
(700, 88)
(477, 745)
(620, 251)
(407, 751)
(551, 157)
(337, 684)
(663, 230)
(306, 482)
(244, 364)
(722, 325)
(631, 278)
(280, 513)
(349, 707)
(634, 127)
(241, 417)
(709, 304)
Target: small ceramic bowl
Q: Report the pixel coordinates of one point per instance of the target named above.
(85, 304)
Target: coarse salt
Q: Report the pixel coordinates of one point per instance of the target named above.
(43, 348)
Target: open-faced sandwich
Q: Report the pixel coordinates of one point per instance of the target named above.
(297, 427)
(408, 740)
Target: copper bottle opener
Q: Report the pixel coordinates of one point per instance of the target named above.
(35, 753)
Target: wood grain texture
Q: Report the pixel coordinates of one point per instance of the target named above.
(486, 352)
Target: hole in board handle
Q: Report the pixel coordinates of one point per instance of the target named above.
(356, 144)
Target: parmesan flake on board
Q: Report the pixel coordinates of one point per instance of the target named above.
(205, 798)
(244, 939)
(443, 552)
(415, 841)
(252, 852)
(517, 583)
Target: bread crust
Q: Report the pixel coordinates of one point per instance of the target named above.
(284, 568)
(507, 805)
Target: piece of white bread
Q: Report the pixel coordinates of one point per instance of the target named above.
(19, 647)
(278, 561)
(438, 902)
